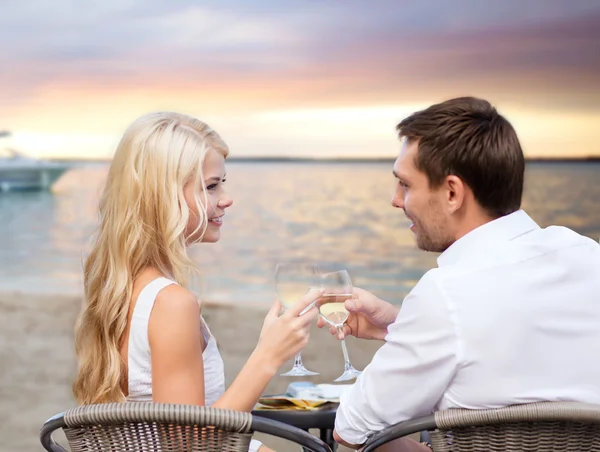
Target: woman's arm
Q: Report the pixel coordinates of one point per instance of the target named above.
(177, 366)
(176, 342)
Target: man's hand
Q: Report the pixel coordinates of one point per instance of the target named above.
(369, 316)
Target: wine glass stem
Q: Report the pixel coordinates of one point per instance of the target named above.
(298, 360)
(345, 352)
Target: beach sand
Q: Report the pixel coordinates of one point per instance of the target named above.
(37, 360)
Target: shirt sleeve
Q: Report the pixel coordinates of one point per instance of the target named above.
(409, 373)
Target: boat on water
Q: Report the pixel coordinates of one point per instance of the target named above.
(19, 172)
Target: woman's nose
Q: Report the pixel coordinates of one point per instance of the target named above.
(225, 202)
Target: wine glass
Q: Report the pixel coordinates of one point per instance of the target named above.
(293, 281)
(337, 288)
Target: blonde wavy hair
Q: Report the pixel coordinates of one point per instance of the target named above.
(143, 218)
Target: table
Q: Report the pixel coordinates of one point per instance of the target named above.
(323, 419)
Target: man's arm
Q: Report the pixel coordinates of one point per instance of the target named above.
(409, 373)
(398, 445)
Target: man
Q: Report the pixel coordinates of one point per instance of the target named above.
(512, 313)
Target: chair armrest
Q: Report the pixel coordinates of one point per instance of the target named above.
(289, 432)
(52, 424)
(398, 431)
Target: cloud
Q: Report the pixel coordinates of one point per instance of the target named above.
(118, 42)
(92, 66)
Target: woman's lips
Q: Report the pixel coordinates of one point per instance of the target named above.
(217, 221)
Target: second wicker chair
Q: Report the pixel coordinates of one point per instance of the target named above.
(539, 427)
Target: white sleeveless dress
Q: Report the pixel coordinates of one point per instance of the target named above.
(139, 360)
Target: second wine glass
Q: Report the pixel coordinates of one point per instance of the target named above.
(337, 288)
(293, 281)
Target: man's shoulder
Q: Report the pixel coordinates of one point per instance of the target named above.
(542, 244)
(429, 286)
(565, 237)
(547, 243)
(544, 248)
(431, 277)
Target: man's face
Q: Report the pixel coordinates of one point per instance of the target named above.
(425, 207)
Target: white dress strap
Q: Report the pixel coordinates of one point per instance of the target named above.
(147, 297)
(139, 367)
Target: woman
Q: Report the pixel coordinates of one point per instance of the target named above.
(141, 336)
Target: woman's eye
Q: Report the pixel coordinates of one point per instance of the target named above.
(215, 185)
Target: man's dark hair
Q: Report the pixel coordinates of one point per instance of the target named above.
(468, 138)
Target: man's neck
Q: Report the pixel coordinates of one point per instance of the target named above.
(472, 222)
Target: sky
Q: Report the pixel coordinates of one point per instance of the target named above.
(326, 78)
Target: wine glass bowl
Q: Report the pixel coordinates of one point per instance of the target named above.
(332, 309)
(292, 282)
(337, 288)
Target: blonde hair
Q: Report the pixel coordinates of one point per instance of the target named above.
(143, 218)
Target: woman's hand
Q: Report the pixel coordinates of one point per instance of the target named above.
(282, 337)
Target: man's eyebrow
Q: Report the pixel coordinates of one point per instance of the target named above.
(400, 178)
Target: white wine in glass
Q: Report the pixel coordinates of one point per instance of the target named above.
(337, 288)
(333, 309)
(290, 293)
(293, 281)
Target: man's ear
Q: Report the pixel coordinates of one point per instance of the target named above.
(455, 191)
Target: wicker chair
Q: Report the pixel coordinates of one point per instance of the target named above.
(156, 427)
(541, 427)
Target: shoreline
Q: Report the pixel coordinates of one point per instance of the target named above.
(208, 303)
(37, 358)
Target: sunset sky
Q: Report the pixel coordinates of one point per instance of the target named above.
(295, 78)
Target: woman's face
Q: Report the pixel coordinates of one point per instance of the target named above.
(213, 191)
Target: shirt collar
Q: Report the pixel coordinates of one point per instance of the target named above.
(502, 229)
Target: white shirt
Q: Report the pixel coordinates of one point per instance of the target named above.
(511, 315)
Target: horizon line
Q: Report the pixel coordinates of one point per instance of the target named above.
(283, 159)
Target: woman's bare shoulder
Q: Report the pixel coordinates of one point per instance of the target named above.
(175, 308)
